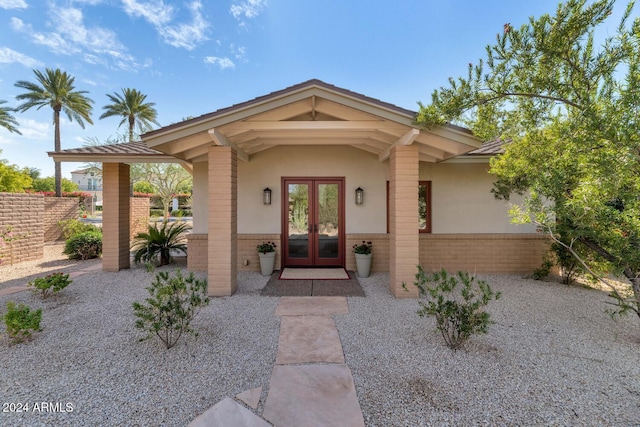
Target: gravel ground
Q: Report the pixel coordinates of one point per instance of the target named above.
(552, 358)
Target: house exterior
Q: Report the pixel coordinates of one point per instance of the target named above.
(316, 169)
(89, 181)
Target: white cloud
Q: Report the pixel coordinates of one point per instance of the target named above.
(223, 63)
(13, 4)
(9, 56)
(239, 52)
(247, 8)
(33, 129)
(156, 13)
(187, 35)
(98, 45)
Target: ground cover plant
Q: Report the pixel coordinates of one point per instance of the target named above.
(49, 285)
(457, 302)
(21, 321)
(158, 242)
(173, 303)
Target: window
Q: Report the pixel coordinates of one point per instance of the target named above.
(424, 206)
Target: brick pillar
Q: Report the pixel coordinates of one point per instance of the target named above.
(115, 216)
(223, 222)
(404, 250)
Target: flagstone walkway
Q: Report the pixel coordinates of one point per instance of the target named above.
(310, 384)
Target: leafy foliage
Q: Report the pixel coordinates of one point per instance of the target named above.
(7, 121)
(568, 111)
(48, 184)
(21, 321)
(457, 303)
(12, 178)
(364, 248)
(263, 247)
(159, 242)
(51, 284)
(73, 227)
(83, 246)
(174, 302)
(133, 109)
(55, 88)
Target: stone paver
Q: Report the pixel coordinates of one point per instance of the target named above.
(310, 306)
(251, 397)
(309, 339)
(313, 395)
(228, 413)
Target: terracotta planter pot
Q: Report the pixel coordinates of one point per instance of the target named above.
(363, 264)
(267, 262)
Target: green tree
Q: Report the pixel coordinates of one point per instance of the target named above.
(167, 179)
(7, 121)
(12, 179)
(133, 110)
(55, 88)
(569, 106)
(48, 184)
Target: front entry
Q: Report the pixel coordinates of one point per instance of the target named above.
(313, 222)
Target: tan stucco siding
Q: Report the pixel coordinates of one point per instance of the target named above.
(462, 200)
(360, 169)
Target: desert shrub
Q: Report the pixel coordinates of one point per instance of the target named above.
(158, 242)
(48, 285)
(20, 321)
(73, 227)
(542, 272)
(456, 302)
(84, 246)
(174, 301)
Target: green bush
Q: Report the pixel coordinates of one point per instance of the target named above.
(73, 227)
(156, 212)
(21, 321)
(53, 283)
(456, 302)
(174, 301)
(85, 245)
(157, 243)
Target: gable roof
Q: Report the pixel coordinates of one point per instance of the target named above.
(309, 113)
(125, 152)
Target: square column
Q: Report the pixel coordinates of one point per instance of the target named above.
(223, 221)
(404, 242)
(115, 216)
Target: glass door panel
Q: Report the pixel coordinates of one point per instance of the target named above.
(298, 233)
(328, 220)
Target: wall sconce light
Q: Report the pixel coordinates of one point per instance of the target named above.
(266, 196)
(359, 196)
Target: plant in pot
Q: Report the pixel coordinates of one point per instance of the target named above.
(363, 253)
(267, 254)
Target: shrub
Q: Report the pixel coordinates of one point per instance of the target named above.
(159, 242)
(456, 302)
(73, 227)
(21, 321)
(85, 245)
(542, 272)
(53, 283)
(174, 302)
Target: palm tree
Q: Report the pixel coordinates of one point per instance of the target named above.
(56, 90)
(7, 121)
(131, 106)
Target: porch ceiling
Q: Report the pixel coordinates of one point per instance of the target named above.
(312, 113)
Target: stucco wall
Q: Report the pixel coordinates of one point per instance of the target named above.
(462, 200)
(461, 192)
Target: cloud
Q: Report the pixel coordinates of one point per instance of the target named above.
(186, 35)
(239, 52)
(33, 129)
(247, 8)
(9, 56)
(98, 45)
(223, 63)
(13, 4)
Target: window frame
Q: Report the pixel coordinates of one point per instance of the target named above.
(428, 213)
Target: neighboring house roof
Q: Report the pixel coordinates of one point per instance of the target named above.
(309, 113)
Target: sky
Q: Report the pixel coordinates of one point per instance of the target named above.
(196, 56)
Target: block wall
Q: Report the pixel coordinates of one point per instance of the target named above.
(58, 209)
(139, 214)
(24, 213)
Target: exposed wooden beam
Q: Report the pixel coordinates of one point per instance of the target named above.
(222, 140)
(406, 139)
(427, 158)
(344, 125)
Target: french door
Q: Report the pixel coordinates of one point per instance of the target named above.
(313, 222)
